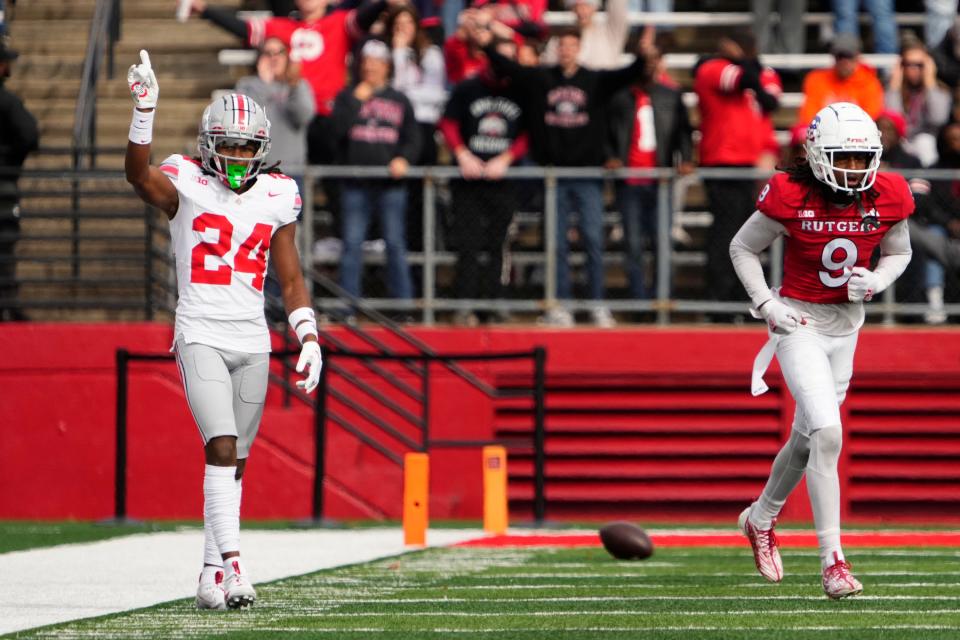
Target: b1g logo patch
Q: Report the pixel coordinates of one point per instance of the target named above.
(763, 194)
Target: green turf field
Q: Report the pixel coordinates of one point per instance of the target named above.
(558, 594)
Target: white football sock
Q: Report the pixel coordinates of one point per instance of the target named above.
(823, 485)
(211, 552)
(220, 509)
(785, 475)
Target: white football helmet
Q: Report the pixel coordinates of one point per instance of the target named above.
(843, 127)
(233, 120)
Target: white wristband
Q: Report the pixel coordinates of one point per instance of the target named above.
(304, 322)
(141, 126)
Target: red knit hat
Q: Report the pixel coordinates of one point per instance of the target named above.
(899, 122)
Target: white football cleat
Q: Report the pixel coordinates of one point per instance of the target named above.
(239, 592)
(210, 595)
(766, 548)
(838, 582)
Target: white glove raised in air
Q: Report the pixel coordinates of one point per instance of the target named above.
(862, 284)
(143, 83)
(781, 318)
(310, 360)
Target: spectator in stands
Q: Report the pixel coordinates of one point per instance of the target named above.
(947, 56)
(914, 92)
(418, 70)
(463, 58)
(418, 73)
(849, 80)
(483, 128)
(788, 35)
(565, 106)
(602, 37)
(288, 100)
(847, 22)
(734, 92)
(318, 41)
(939, 212)
(893, 129)
(18, 137)
(3, 20)
(373, 124)
(649, 127)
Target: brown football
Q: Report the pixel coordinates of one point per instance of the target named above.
(626, 541)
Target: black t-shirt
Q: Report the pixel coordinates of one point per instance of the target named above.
(489, 117)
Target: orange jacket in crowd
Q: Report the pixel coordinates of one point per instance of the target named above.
(822, 87)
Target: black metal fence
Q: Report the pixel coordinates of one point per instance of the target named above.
(378, 433)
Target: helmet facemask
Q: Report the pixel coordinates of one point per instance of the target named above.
(232, 167)
(850, 180)
(231, 122)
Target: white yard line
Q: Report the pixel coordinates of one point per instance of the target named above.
(68, 582)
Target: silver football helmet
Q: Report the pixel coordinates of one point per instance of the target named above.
(234, 120)
(843, 127)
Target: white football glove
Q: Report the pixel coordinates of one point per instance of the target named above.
(862, 284)
(311, 360)
(781, 318)
(143, 83)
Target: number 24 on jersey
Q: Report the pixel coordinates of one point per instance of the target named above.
(251, 257)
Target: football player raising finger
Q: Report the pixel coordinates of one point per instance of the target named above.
(227, 215)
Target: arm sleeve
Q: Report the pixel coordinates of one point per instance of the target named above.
(765, 88)
(520, 146)
(226, 19)
(617, 25)
(300, 104)
(756, 234)
(895, 253)
(938, 107)
(612, 81)
(507, 68)
(367, 13)
(450, 130)
(409, 134)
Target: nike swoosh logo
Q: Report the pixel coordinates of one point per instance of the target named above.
(273, 195)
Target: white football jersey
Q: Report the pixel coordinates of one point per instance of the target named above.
(221, 243)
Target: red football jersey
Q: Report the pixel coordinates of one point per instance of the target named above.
(822, 239)
(321, 48)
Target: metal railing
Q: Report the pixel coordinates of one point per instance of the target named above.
(665, 304)
(112, 253)
(104, 33)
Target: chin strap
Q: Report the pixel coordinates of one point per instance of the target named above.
(869, 220)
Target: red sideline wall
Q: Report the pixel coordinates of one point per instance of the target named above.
(57, 402)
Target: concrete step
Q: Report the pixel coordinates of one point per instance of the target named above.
(172, 35)
(68, 88)
(68, 64)
(83, 9)
(57, 114)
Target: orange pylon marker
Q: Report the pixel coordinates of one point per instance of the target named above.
(495, 515)
(416, 491)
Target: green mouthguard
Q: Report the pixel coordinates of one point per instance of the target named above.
(235, 174)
